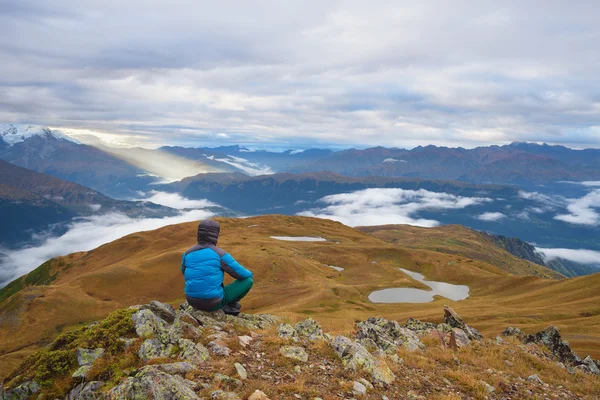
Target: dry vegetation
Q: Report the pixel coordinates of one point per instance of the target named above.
(292, 281)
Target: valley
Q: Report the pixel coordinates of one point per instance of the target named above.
(293, 280)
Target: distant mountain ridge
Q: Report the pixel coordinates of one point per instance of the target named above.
(31, 201)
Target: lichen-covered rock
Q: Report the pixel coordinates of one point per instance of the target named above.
(86, 391)
(88, 356)
(147, 324)
(355, 357)
(183, 329)
(176, 368)
(591, 365)
(295, 353)
(24, 391)
(310, 329)
(195, 353)
(455, 321)
(154, 348)
(457, 338)
(226, 379)
(164, 311)
(560, 348)
(359, 389)
(151, 383)
(388, 335)
(222, 395)
(253, 321)
(287, 331)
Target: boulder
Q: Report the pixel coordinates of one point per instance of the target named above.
(147, 324)
(154, 348)
(195, 353)
(455, 321)
(176, 368)
(558, 347)
(294, 352)
(310, 329)
(354, 356)
(86, 391)
(24, 391)
(286, 331)
(151, 383)
(388, 335)
(164, 311)
(591, 365)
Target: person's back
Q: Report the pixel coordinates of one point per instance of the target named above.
(203, 267)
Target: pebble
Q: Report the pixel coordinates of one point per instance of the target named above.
(359, 389)
(241, 371)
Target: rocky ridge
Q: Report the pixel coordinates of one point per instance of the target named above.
(154, 351)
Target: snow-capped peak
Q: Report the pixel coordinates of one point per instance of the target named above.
(12, 134)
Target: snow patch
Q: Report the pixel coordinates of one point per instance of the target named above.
(12, 134)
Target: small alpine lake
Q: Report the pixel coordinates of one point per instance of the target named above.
(412, 295)
(299, 238)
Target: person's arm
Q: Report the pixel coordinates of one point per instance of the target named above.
(183, 264)
(234, 268)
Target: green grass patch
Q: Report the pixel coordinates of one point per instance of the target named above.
(10, 289)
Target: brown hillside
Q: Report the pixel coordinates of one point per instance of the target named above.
(291, 280)
(459, 240)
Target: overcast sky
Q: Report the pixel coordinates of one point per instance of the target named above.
(302, 73)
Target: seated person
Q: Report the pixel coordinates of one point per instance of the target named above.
(203, 267)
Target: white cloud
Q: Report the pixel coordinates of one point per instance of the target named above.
(583, 211)
(175, 200)
(86, 234)
(388, 206)
(360, 73)
(581, 256)
(491, 216)
(250, 168)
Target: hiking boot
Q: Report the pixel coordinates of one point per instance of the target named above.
(236, 305)
(230, 310)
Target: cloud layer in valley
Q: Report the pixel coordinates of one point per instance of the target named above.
(581, 256)
(88, 233)
(583, 211)
(389, 206)
(151, 72)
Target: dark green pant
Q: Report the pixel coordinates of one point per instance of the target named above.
(235, 292)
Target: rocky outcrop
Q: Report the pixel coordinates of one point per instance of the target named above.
(152, 383)
(559, 348)
(354, 356)
(454, 320)
(386, 335)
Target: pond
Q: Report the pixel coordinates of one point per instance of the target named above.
(299, 238)
(334, 267)
(412, 295)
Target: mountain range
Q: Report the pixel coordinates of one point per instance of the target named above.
(32, 202)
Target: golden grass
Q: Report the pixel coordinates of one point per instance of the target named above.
(291, 281)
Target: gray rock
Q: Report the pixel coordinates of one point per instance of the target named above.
(88, 356)
(591, 365)
(226, 379)
(310, 329)
(258, 395)
(193, 352)
(82, 372)
(286, 331)
(176, 368)
(151, 383)
(219, 348)
(359, 389)
(558, 347)
(154, 348)
(163, 310)
(294, 352)
(535, 379)
(367, 384)
(24, 391)
(489, 388)
(454, 320)
(388, 335)
(354, 356)
(86, 391)
(245, 340)
(147, 324)
(222, 395)
(241, 371)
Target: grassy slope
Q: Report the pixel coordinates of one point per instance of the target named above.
(292, 281)
(459, 240)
